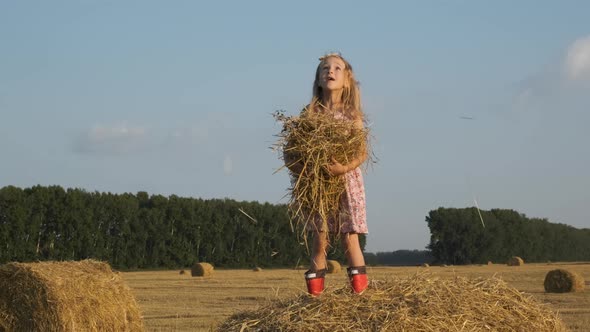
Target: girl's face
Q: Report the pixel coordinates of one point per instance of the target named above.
(332, 74)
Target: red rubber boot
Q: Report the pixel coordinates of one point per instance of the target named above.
(358, 278)
(315, 281)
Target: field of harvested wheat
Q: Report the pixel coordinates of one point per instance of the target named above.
(171, 301)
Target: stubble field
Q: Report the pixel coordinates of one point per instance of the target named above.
(171, 301)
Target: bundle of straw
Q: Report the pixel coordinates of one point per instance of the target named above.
(308, 144)
(422, 302)
(563, 281)
(66, 296)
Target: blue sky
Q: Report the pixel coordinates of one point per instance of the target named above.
(175, 97)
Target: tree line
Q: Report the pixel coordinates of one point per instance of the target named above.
(136, 231)
(469, 236)
(401, 257)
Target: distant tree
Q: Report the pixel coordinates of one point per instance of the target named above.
(12, 223)
(142, 231)
(457, 237)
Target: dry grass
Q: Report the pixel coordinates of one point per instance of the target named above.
(419, 302)
(202, 270)
(515, 261)
(173, 302)
(333, 266)
(309, 142)
(65, 296)
(563, 281)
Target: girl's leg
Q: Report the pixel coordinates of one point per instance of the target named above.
(352, 249)
(357, 272)
(319, 251)
(314, 277)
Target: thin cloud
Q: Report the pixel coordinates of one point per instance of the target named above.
(189, 135)
(112, 140)
(577, 60)
(565, 82)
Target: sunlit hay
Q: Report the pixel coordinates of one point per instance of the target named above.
(66, 296)
(515, 261)
(425, 265)
(309, 142)
(418, 303)
(202, 270)
(333, 266)
(257, 269)
(563, 281)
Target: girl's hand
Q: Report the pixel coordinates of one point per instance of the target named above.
(335, 168)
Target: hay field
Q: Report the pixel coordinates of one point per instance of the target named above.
(178, 302)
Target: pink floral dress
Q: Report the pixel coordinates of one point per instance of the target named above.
(352, 217)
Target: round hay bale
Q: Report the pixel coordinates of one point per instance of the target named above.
(202, 270)
(515, 261)
(333, 266)
(66, 296)
(257, 269)
(425, 265)
(422, 302)
(563, 281)
(181, 272)
(490, 263)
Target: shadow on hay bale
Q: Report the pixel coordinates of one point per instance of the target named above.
(66, 296)
(563, 281)
(515, 261)
(417, 303)
(202, 270)
(333, 266)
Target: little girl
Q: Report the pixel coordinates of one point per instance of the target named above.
(336, 93)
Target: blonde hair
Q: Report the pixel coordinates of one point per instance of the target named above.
(351, 96)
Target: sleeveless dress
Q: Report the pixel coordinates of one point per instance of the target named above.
(352, 217)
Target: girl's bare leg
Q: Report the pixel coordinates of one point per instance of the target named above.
(318, 254)
(352, 249)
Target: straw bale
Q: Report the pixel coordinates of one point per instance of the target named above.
(182, 272)
(563, 281)
(515, 261)
(425, 265)
(333, 266)
(257, 269)
(421, 302)
(490, 263)
(202, 270)
(66, 296)
(310, 141)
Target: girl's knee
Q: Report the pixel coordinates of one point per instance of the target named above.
(349, 239)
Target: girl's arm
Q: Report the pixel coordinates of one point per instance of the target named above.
(336, 168)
